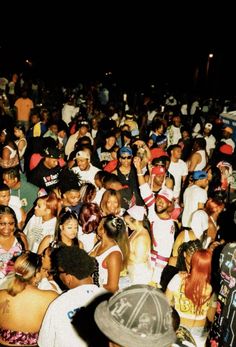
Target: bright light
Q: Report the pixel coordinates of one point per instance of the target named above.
(28, 62)
(211, 55)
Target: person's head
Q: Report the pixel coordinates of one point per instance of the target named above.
(227, 132)
(47, 206)
(111, 181)
(136, 218)
(114, 228)
(158, 127)
(83, 159)
(73, 265)
(27, 271)
(8, 221)
(5, 136)
(89, 217)
(186, 133)
(207, 129)
(67, 226)
(99, 177)
(51, 157)
(200, 178)
(163, 160)
(185, 253)
(11, 177)
(19, 130)
(136, 316)
(158, 175)
(69, 186)
(164, 200)
(4, 194)
(87, 192)
(125, 156)
(199, 143)
(174, 152)
(111, 202)
(214, 205)
(83, 127)
(214, 175)
(199, 277)
(110, 140)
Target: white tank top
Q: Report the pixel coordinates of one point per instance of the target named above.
(203, 162)
(13, 152)
(103, 272)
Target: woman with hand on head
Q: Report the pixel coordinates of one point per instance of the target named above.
(111, 252)
(22, 304)
(89, 219)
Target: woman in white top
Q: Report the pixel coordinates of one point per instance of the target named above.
(43, 222)
(9, 154)
(111, 252)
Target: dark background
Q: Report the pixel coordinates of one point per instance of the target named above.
(140, 44)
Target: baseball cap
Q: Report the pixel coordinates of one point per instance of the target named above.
(124, 150)
(83, 123)
(226, 149)
(208, 126)
(166, 194)
(158, 170)
(82, 154)
(199, 222)
(52, 152)
(199, 175)
(135, 316)
(137, 212)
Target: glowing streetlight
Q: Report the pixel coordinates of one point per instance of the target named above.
(210, 56)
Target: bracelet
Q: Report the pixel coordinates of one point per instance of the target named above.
(140, 174)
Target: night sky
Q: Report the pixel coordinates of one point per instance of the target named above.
(140, 44)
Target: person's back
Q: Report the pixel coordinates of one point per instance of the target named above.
(20, 319)
(24, 305)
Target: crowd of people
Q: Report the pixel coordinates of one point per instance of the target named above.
(130, 204)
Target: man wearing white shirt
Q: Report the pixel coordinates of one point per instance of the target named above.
(75, 268)
(84, 167)
(178, 168)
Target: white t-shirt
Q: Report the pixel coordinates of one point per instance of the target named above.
(36, 230)
(178, 170)
(86, 175)
(56, 329)
(192, 196)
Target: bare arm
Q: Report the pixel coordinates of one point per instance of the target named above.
(195, 159)
(138, 166)
(170, 297)
(44, 244)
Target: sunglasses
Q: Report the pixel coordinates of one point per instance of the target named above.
(128, 157)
